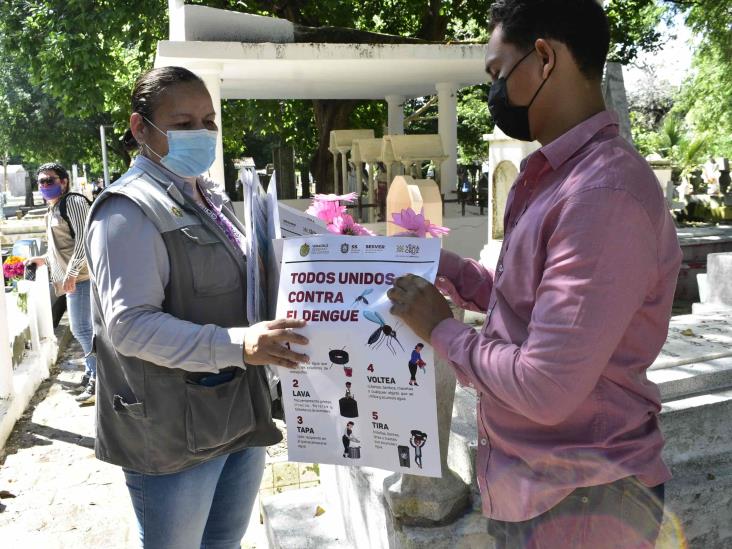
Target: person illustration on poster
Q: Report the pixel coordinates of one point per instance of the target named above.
(416, 361)
(418, 440)
(347, 439)
(348, 405)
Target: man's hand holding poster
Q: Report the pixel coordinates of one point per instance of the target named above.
(367, 397)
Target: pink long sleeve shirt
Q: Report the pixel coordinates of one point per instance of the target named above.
(577, 310)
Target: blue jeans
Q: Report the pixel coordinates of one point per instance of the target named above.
(80, 319)
(621, 514)
(207, 506)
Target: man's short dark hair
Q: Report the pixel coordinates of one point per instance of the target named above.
(58, 169)
(579, 24)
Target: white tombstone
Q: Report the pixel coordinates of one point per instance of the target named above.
(662, 169)
(367, 152)
(15, 184)
(6, 358)
(412, 150)
(504, 160)
(341, 142)
(407, 192)
(715, 286)
(40, 316)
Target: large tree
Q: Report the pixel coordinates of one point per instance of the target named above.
(85, 54)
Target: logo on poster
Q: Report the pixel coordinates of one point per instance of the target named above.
(408, 249)
(304, 250)
(344, 248)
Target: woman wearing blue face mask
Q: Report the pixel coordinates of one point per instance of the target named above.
(66, 260)
(183, 404)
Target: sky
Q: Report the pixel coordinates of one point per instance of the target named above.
(671, 63)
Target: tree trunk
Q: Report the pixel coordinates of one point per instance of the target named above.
(115, 145)
(329, 115)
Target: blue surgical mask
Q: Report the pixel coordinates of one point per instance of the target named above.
(51, 192)
(190, 152)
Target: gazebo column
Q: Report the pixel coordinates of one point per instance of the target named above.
(344, 170)
(395, 109)
(447, 127)
(211, 76)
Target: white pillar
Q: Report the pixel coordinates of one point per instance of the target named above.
(344, 171)
(176, 20)
(447, 124)
(211, 76)
(371, 212)
(395, 109)
(335, 171)
(6, 358)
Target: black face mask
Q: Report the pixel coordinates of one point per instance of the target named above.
(512, 119)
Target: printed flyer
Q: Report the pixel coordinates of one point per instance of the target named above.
(367, 398)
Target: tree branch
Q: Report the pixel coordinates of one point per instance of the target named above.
(416, 114)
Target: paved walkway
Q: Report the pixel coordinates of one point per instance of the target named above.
(64, 496)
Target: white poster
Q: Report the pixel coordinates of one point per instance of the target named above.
(367, 398)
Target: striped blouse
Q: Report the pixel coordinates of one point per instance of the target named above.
(65, 255)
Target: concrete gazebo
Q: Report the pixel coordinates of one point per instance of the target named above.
(242, 56)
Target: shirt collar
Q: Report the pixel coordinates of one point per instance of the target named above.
(566, 145)
(166, 176)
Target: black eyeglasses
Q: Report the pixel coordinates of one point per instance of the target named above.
(47, 180)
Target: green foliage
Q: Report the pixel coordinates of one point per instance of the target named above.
(252, 127)
(33, 129)
(699, 120)
(69, 65)
(474, 121)
(81, 58)
(633, 28)
(706, 100)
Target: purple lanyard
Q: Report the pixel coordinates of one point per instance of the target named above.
(231, 232)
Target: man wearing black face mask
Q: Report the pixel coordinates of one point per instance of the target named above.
(577, 309)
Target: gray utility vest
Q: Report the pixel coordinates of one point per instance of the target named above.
(155, 419)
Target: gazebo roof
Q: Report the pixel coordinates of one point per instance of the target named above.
(327, 71)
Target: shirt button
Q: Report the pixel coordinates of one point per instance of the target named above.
(500, 267)
(483, 441)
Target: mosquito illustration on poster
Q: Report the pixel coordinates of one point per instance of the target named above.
(383, 333)
(362, 298)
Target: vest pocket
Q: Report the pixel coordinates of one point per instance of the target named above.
(132, 409)
(213, 270)
(218, 415)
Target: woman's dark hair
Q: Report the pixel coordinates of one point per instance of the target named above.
(579, 24)
(58, 169)
(148, 89)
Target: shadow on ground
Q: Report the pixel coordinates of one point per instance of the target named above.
(28, 433)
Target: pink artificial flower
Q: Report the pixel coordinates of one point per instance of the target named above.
(350, 197)
(416, 224)
(326, 210)
(345, 224)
